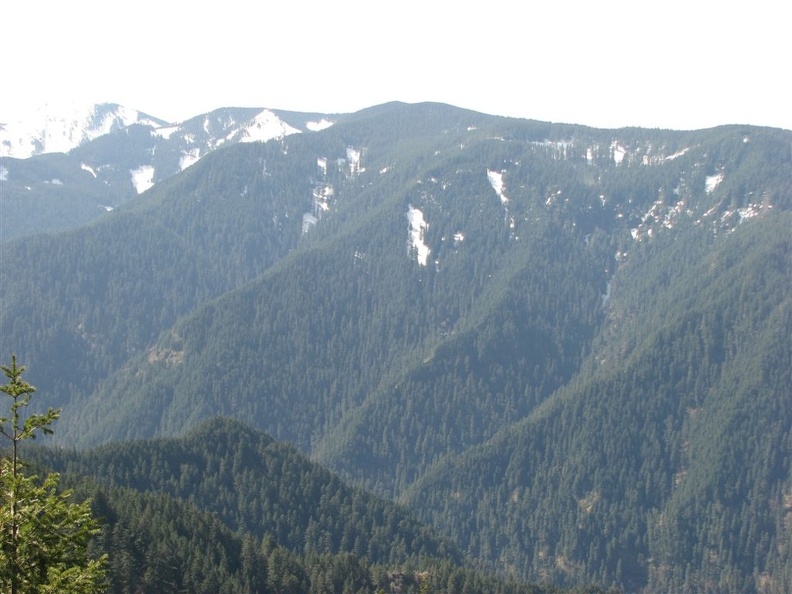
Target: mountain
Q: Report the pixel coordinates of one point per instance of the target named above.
(259, 487)
(64, 169)
(663, 462)
(565, 348)
(60, 128)
(228, 509)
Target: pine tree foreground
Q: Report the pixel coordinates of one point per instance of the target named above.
(45, 535)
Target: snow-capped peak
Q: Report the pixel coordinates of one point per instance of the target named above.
(54, 128)
(266, 126)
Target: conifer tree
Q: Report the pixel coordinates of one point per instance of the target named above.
(45, 535)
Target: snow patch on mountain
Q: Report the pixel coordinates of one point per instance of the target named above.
(733, 217)
(88, 168)
(660, 215)
(748, 212)
(142, 178)
(165, 132)
(496, 181)
(189, 158)
(322, 194)
(618, 152)
(3, 173)
(712, 182)
(677, 154)
(415, 242)
(318, 126)
(353, 158)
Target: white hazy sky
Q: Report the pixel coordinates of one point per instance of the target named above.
(673, 64)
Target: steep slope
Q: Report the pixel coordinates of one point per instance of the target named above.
(104, 293)
(432, 312)
(660, 466)
(97, 296)
(344, 320)
(516, 327)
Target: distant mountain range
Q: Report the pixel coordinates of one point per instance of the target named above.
(66, 165)
(61, 128)
(566, 350)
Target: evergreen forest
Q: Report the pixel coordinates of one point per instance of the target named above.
(426, 349)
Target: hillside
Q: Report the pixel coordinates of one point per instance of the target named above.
(662, 464)
(259, 487)
(565, 348)
(226, 509)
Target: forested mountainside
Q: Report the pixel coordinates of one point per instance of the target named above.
(667, 462)
(226, 509)
(565, 348)
(261, 487)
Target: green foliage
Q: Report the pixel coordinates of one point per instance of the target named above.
(174, 532)
(585, 383)
(256, 485)
(670, 452)
(45, 535)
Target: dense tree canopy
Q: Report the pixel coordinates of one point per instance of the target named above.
(586, 378)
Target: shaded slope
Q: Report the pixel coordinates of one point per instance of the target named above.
(660, 468)
(442, 276)
(261, 487)
(87, 300)
(342, 321)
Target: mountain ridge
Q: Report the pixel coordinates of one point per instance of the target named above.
(60, 128)
(223, 464)
(106, 155)
(536, 335)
